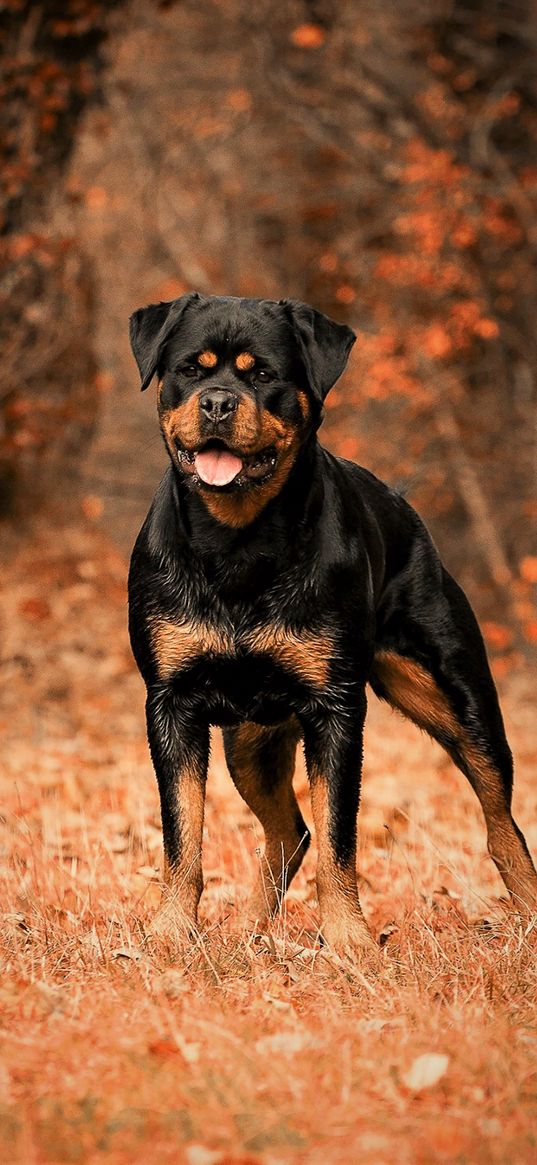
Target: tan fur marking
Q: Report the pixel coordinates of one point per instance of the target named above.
(414, 692)
(277, 810)
(503, 842)
(176, 644)
(244, 361)
(303, 404)
(208, 359)
(342, 923)
(240, 509)
(254, 429)
(230, 511)
(184, 881)
(247, 427)
(304, 652)
(182, 424)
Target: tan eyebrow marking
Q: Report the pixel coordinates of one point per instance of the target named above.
(244, 361)
(207, 359)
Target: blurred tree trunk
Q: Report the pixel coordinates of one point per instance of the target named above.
(51, 58)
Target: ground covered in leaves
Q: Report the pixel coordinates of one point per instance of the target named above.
(117, 1048)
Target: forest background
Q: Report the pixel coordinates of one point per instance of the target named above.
(380, 162)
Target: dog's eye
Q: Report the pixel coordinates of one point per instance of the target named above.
(190, 370)
(262, 375)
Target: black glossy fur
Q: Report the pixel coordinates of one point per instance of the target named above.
(279, 616)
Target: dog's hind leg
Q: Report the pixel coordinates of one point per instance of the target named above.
(261, 761)
(438, 675)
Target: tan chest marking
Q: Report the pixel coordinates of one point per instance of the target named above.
(176, 644)
(307, 654)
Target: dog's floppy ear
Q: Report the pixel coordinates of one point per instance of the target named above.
(323, 345)
(149, 328)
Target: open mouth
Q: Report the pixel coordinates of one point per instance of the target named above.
(215, 464)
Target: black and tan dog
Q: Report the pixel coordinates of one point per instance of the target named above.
(270, 583)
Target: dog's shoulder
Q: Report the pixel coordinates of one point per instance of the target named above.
(361, 492)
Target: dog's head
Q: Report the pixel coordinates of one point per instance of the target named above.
(241, 384)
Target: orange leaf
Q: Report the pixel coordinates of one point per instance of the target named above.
(171, 288)
(92, 506)
(528, 568)
(425, 1071)
(497, 634)
(239, 100)
(34, 609)
(329, 262)
(308, 36)
(530, 630)
(487, 329)
(345, 293)
(164, 1048)
(96, 197)
(436, 341)
(21, 245)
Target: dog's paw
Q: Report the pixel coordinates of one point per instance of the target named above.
(172, 925)
(350, 939)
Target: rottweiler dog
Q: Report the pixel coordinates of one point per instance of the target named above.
(270, 583)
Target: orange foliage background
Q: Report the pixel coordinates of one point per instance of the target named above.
(379, 161)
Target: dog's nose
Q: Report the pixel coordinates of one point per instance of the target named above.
(218, 404)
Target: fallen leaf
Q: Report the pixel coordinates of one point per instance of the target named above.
(530, 630)
(284, 1043)
(497, 634)
(308, 36)
(190, 1052)
(425, 1071)
(163, 1048)
(240, 100)
(96, 197)
(35, 608)
(127, 953)
(92, 507)
(528, 568)
(199, 1155)
(149, 872)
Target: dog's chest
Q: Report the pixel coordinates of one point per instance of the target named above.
(179, 646)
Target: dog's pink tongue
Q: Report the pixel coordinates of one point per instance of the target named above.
(217, 466)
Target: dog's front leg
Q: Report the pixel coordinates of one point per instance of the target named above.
(333, 745)
(179, 742)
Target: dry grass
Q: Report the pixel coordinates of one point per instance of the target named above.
(119, 1048)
